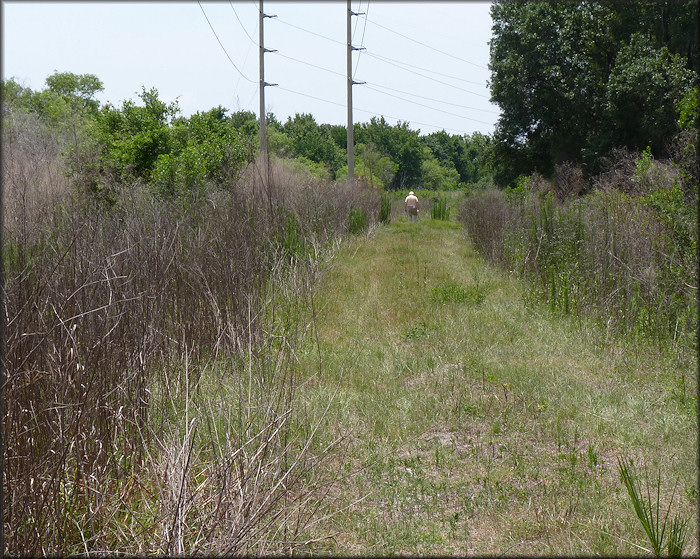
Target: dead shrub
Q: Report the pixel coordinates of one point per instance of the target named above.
(568, 180)
(486, 217)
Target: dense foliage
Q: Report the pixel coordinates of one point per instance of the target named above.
(575, 80)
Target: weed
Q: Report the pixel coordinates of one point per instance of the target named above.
(449, 291)
(385, 208)
(648, 511)
(128, 324)
(608, 255)
(415, 331)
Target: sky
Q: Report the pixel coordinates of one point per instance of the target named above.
(423, 63)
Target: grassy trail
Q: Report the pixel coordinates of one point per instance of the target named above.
(474, 421)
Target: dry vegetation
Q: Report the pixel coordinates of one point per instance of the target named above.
(149, 358)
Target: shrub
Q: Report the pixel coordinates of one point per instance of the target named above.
(127, 324)
(627, 256)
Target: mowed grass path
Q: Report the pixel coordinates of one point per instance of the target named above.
(472, 421)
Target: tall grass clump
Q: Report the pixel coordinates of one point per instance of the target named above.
(149, 369)
(625, 252)
(385, 208)
(439, 209)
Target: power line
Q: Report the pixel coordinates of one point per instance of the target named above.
(362, 41)
(412, 122)
(387, 60)
(423, 30)
(394, 61)
(311, 32)
(436, 100)
(249, 37)
(310, 64)
(222, 46)
(356, 22)
(426, 106)
(400, 65)
(427, 46)
(311, 96)
(443, 83)
(241, 24)
(461, 131)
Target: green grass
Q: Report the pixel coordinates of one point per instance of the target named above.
(476, 422)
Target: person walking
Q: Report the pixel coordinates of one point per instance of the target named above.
(411, 206)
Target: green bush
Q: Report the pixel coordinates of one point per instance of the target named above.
(629, 260)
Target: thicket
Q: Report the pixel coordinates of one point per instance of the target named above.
(596, 149)
(627, 252)
(155, 277)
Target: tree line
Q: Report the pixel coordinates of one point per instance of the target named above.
(575, 83)
(150, 140)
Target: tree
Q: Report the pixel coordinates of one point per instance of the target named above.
(207, 147)
(548, 64)
(78, 89)
(308, 139)
(437, 176)
(67, 98)
(14, 95)
(400, 144)
(643, 92)
(559, 74)
(134, 136)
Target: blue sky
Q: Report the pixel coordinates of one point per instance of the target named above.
(425, 63)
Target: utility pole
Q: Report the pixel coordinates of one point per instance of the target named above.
(263, 83)
(351, 82)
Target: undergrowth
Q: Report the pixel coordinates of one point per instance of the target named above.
(149, 365)
(626, 252)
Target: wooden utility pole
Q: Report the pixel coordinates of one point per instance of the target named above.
(351, 82)
(263, 83)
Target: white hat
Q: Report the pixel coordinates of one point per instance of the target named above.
(410, 193)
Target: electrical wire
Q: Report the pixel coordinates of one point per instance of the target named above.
(426, 106)
(310, 32)
(461, 131)
(402, 65)
(435, 100)
(447, 84)
(394, 61)
(359, 8)
(222, 46)
(362, 41)
(424, 31)
(311, 96)
(310, 64)
(427, 46)
(241, 24)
